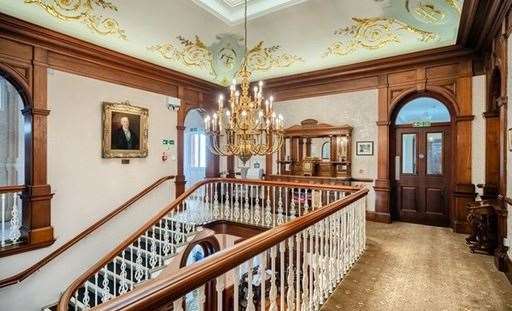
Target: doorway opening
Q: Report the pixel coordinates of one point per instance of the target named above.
(421, 161)
(195, 144)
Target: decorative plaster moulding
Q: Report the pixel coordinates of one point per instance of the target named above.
(231, 12)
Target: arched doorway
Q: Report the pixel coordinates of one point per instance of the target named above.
(195, 148)
(421, 166)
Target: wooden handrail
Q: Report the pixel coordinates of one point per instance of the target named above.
(66, 296)
(157, 292)
(29, 271)
(8, 189)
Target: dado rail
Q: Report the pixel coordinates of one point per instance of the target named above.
(313, 235)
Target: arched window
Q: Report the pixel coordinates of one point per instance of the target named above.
(12, 152)
(423, 109)
(326, 150)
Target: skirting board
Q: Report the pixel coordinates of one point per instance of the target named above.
(378, 217)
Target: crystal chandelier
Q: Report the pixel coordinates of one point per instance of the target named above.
(248, 125)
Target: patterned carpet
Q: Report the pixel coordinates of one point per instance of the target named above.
(415, 267)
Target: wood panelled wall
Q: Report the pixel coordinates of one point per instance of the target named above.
(445, 74)
(495, 188)
(26, 53)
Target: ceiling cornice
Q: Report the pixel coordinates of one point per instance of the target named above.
(25, 32)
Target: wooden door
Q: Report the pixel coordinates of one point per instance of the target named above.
(422, 174)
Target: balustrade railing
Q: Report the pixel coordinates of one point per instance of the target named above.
(11, 215)
(295, 268)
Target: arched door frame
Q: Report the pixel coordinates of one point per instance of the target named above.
(36, 230)
(210, 246)
(212, 169)
(397, 105)
(456, 94)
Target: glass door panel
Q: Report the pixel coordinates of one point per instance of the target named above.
(434, 153)
(409, 154)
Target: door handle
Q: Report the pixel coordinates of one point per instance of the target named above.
(397, 168)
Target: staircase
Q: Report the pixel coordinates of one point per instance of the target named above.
(271, 205)
(142, 260)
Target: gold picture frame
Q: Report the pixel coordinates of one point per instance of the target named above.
(125, 131)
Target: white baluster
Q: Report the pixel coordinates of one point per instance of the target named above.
(297, 271)
(311, 231)
(178, 305)
(273, 285)
(106, 289)
(153, 259)
(227, 205)
(15, 223)
(293, 211)
(201, 297)
(290, 295)
(305, 272)
(247, 214)
(219, 286)
(236, 282)
(216, 210)
(236, 213)
(282, 274)
(250, 293)
(86, 300)
(263, 273)
(257, 207)
(95, 290)
(280, 219)
(139, 273)
(123, 285)
(268, 208)
(2, 219)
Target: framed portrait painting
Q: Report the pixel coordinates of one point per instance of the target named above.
(125, 131)
(364, 148)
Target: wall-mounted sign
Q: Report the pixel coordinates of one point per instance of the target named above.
(167, 142)
(422, 124)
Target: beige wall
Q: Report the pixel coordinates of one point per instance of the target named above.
(88, 187)
(358, 109)
(478, 132)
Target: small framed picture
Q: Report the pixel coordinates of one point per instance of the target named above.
(364, 148)
(509, 138)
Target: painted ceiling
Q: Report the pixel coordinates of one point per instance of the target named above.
(204, 38)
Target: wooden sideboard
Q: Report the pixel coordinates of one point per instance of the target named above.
(347, 181)
(316, 149)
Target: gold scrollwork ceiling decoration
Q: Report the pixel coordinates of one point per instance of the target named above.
(192, 54)
(224, 57)
(85, 12)
(429, 13)
(263, 58)
(456, 4)
(372, 34)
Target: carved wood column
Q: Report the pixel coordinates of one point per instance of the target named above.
(180, 142)
(301, 149)
(464, 190)
(382, 183)
(38, 193)
(308, 147)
